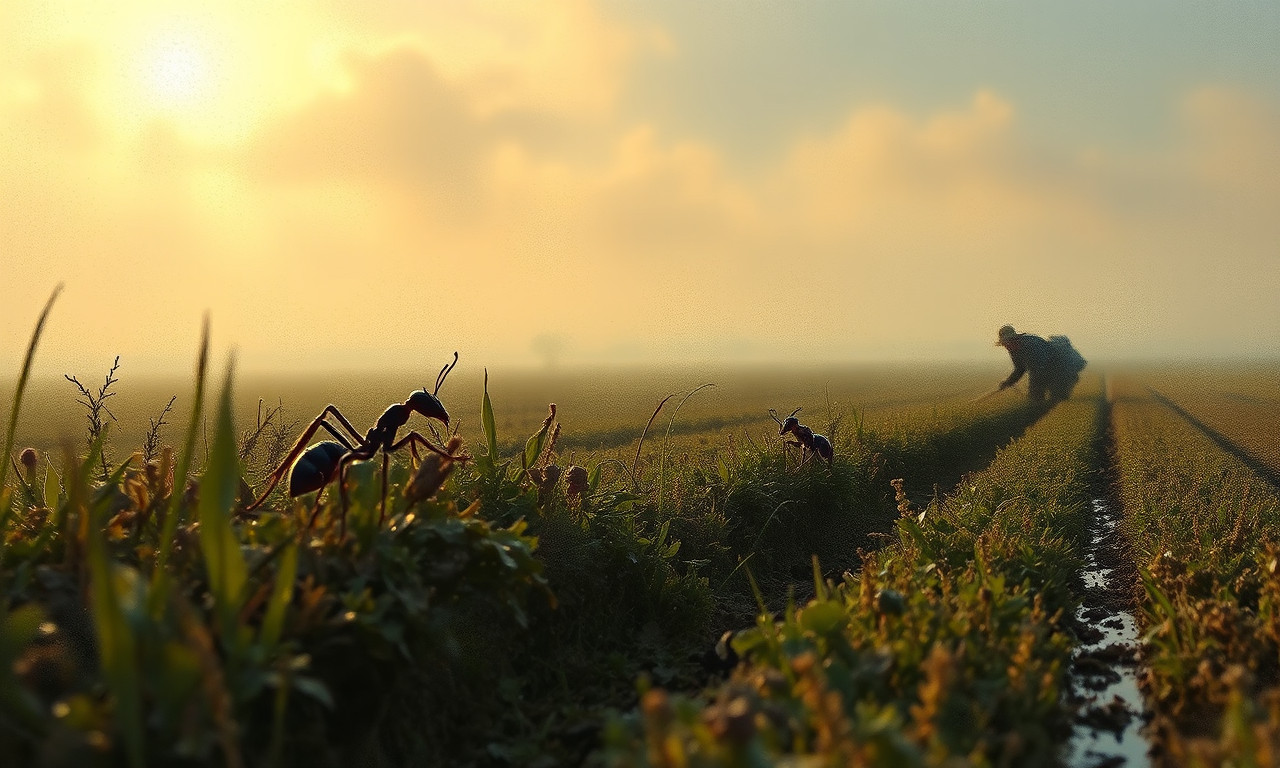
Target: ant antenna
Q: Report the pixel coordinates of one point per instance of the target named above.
(774, 414)
(444, 374)
(793, 413)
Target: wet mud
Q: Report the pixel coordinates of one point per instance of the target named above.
(1104, 668)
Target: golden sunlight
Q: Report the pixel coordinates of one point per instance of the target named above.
(176, 72)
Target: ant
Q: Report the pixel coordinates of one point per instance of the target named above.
(806, 439)
(314, 467)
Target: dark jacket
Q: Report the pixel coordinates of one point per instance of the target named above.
(1029, 353)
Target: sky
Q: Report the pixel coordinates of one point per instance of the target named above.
(373, 185)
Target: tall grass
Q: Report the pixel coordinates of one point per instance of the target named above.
(5, 493)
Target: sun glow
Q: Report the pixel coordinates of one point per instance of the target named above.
(192, 76)
(177, 72)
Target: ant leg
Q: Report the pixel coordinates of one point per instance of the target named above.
(413, 439)
(337, 414)
(341, 438)
(298, 447)
(382, 510)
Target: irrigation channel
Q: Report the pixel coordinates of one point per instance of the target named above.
(1104, 667)
(1104, 677)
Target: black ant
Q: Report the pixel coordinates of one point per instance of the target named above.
(314, 467)
(806, 439)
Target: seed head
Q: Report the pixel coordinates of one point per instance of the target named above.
(431, 474)
(578, 481)
(29, 458)
(551, 474)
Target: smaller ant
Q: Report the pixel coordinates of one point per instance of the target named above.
(808, 441)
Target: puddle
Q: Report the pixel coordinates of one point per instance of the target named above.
(1104, 667)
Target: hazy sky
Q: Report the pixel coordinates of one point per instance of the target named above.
(380, 183)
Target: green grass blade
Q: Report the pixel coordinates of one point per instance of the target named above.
(117, 646)
(22, 384)
(666, 439)
(50, 486)
(218, 487)
(6, 508)
(160, 578)
(281, 596)
(486, 419)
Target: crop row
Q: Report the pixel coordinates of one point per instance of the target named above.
(950, 644)
(1205, 532)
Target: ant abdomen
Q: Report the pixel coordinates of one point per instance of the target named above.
(314, 468)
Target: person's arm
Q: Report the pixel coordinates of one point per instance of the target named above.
(1018, 369)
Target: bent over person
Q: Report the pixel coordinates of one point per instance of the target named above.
(1053, 366)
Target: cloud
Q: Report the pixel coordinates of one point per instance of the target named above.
(1233, 141)
(398, 122)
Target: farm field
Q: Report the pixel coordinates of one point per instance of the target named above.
(653, 384)
(941, 591)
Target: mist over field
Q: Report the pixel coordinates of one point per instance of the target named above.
(589, 400)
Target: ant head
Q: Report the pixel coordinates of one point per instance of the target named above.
(790, 424)
(428, 405)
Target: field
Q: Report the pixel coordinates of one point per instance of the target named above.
(946, 590)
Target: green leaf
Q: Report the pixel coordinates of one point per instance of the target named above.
(823, 618)
(159, 576)
(6, 457)
(218, 486)
(118, 475)
(281, 596)
(1162, 600)
(486, 419)
(6, 507)
(533, 447)
(117, 644)
(315, 689)
(913, 529)
(50, 486)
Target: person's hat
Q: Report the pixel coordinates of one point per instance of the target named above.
(1006, 333)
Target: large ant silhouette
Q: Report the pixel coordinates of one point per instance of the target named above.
(806, 439)
(311, 468)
